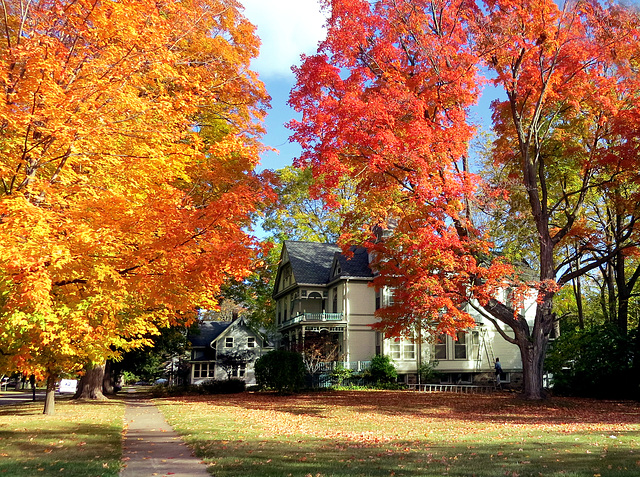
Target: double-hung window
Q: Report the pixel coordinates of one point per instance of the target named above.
(447, 347)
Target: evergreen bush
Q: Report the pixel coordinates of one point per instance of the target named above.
(382, 371)
(280, 370)
(223, 386)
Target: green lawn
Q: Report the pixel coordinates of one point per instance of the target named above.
(81, 440)
(382, 433)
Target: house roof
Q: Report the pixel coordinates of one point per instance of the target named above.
(311, 262)
(356, 266)
(206, 332)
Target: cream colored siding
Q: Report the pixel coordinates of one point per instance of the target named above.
(360, 306)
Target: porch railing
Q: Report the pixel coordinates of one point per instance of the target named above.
(356, 366)
(313, 317)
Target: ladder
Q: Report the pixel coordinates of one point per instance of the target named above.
(487, 346)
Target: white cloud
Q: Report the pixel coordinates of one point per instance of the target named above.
(287, 29)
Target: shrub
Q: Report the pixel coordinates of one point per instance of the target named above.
(280, 370)
(171, 391)
(428, 373)
(381, 371)
(390, 386)
(339, 374)
(594, 363)
(129, 378)
(223, 386)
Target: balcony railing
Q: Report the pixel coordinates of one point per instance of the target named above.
(313, 318)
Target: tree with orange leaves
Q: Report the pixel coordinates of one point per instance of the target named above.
(129, 136)
(385, 103)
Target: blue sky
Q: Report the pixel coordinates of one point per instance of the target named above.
(287, 29)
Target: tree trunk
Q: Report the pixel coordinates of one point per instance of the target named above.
(532, 354)
(32, 382)
(90, 386)
(611, 292)
(636, 366)
(107, 381)
(533, 345)
(50, 399)
(577, 291)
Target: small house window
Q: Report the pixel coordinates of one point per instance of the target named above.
(228, 342)
(409, 350)
(239, 371)
(203, 370)
(251, 342)
(389, 297)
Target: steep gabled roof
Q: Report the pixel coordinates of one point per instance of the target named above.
(356, 266)
(311, 262)
(315, 263)
(206, 332)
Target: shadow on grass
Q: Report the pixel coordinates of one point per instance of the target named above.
(31, 408)
(324, 458)
(365, 433)
(82, 439)
(507, 408)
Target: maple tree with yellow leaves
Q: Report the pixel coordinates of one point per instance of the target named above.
(129, 133)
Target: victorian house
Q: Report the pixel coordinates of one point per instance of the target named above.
(321, 295)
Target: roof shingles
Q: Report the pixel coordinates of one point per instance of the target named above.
(311, 262)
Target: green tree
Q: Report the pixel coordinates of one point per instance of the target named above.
(157, 360)
(302, 214)
(594, 362)
(280, 370)
(252, 295)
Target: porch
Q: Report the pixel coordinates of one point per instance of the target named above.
(314, 318)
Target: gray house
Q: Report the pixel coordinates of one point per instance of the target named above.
(225, 349)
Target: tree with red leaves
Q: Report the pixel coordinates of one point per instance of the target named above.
(385, 104)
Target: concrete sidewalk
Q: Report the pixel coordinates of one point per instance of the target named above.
(152, 448)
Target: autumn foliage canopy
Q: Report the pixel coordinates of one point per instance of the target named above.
(385, 103)
(128, 139)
